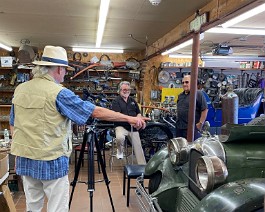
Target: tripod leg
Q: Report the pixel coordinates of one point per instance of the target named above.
(107, 182)
(91, 169)
(101, 139)
(77, 169)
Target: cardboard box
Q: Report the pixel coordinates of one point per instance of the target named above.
(6, 61)
(4, 164)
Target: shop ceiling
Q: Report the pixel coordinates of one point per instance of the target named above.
(131, 24)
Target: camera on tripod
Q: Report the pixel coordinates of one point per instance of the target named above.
(94, 137)
(99, 100)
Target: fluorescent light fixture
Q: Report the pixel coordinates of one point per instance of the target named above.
(103, 13)
(76, 49)
(182, 45)
(180, 55)
(6, 47)
(237, 31)
(236, 58)
(244, 16)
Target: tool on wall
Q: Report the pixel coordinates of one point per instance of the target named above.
(26, 53)
(106, 65)
(77, 56)
(252, 82)
(163, 76)
(245, 79)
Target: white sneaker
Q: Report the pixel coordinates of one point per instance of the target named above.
(119, 154)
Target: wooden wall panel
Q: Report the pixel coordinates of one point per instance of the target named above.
(232, 7)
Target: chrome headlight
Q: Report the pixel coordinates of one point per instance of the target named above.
(210, 171)
(178, 151)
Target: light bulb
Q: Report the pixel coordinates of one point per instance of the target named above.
(155, 2)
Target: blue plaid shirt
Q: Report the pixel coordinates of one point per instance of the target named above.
(70, 105)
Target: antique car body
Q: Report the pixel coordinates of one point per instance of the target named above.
(250, 106)
(214, 173)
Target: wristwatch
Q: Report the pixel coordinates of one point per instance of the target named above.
(201, 122)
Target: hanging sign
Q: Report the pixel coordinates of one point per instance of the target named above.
(195, 24)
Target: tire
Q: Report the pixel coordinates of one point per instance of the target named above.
(154, 182)
(257, 121)
(154, 137)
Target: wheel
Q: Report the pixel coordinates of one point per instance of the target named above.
(154, 137)
(257, 121)
(154, 182)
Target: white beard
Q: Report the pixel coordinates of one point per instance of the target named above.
(126, 95)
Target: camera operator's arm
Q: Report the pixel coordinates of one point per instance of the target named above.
(109, 115)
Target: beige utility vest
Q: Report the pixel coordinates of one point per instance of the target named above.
(40, 131)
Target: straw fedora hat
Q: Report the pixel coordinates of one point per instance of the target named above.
(54, 56)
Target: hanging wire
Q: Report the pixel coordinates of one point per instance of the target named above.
(146, 42)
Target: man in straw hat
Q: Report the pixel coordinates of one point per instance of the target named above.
(40, 118)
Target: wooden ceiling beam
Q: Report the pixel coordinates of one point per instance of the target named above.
(219, 11)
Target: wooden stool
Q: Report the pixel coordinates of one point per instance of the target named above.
(131, 172)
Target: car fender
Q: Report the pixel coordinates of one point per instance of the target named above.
(243, 195)
(156, 162)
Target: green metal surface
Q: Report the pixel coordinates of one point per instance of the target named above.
(171, 181)
(244, 195)
(171, 178)
(245, 160)
(240, 133)
(243, 190)
(186, 201)
(156, 161)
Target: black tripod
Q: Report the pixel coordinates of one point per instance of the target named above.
(90, 138)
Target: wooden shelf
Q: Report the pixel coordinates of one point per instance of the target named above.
(19, 68)
(7, 90)
(6, 68)
(114, 70)
(177, 67)
(7, 105)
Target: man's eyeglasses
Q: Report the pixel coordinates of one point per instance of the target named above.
(126, 90)
(185, 82)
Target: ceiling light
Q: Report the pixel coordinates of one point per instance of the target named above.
(180, 55)
(238, 31)
(76, 49)
(103, 12)
(244, 16)
(182, 45)
(155, 2)
(6, 47)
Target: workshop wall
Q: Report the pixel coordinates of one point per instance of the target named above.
(151, 71)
